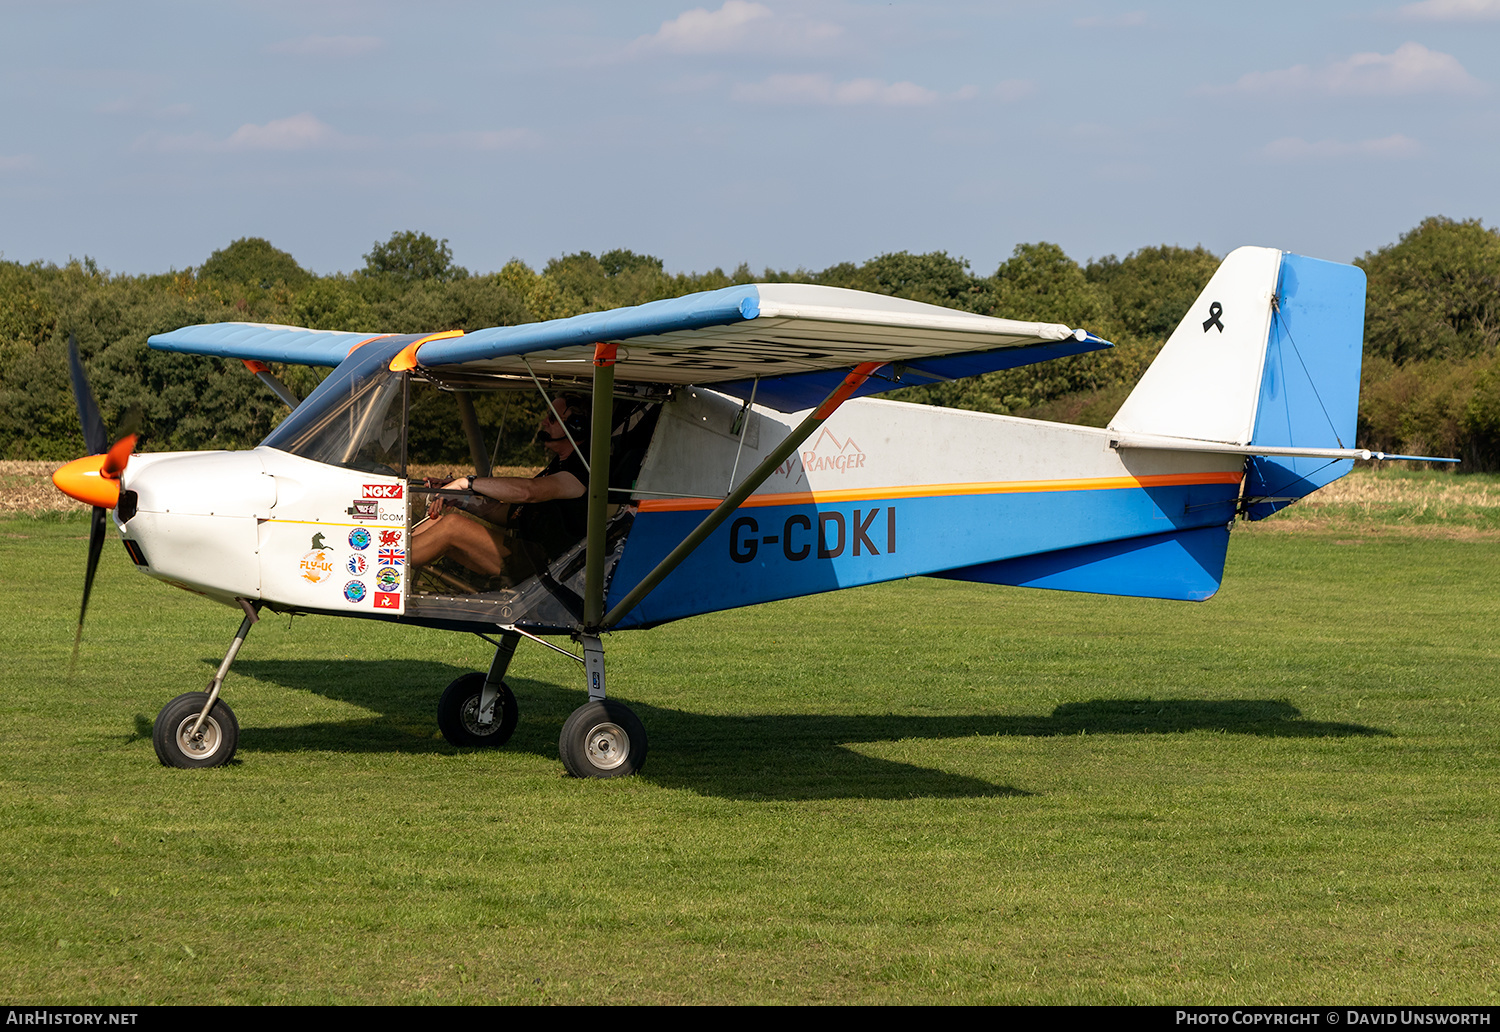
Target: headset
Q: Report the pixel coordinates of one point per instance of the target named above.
(577, 422)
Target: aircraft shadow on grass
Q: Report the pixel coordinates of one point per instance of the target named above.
(767, 756)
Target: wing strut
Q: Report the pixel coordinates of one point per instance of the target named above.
(711, 522)
(603, 406)
(281, 390)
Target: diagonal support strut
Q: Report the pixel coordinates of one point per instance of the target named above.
(747, 487)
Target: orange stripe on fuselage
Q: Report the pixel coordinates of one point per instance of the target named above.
(943, 490)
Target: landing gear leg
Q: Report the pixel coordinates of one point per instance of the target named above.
(197, 729)
(602, 738)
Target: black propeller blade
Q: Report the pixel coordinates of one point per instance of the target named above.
(97, 441)
(94, 437)
(96, 548)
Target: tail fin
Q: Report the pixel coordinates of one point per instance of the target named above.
(1268, 356)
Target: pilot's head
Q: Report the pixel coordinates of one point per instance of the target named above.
(573, 409)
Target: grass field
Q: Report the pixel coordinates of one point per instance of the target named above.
(920, 792)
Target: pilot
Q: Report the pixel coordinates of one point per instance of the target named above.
(548, 511)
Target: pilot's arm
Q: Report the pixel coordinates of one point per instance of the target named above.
(518, 490)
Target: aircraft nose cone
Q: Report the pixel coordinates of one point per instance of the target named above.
(85, 480)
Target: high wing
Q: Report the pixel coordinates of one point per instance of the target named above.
(788, 343)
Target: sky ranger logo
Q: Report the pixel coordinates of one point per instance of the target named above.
(839, 457)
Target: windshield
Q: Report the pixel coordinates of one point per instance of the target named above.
(356, 418)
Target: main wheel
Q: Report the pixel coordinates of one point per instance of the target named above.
(212, 746)
(602, 739)
(458, 713)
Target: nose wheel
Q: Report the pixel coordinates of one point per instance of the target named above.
(182, 740)
(468, 718)
(198, 729)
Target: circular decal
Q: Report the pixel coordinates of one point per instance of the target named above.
(388, 579)
(359, 539)
(357, 565)
(354, 591)
(317, 565)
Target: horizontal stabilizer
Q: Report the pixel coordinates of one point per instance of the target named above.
(1185, 565)
(1183, 444)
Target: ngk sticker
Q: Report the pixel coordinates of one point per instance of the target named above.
(391, 491)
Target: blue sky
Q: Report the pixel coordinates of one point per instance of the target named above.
(149, 134)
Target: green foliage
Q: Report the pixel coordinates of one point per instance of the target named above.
(1435, 294)
(1152, 289)
(1038, 283)
(1430, 384)
(335, 303)
(583, 283)
(1417, 408)
(935, 278)
(1481, 420)
(413, 257)
(252, 261)
(507, 419)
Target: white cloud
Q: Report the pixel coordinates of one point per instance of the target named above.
(328, 46)
(1411, 69)
(1294, 148)
(1451, 11)
(297, 132)
(1129, 20)
(822, 89)
(740, 26)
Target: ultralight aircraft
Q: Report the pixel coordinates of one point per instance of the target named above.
(736, 455)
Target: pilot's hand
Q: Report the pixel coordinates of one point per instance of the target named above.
(435, 507)
(441, 502)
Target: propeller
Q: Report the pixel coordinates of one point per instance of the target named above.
(94, 479)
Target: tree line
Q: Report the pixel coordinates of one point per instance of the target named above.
(1430, 381)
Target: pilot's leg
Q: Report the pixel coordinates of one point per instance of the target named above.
(476, 546)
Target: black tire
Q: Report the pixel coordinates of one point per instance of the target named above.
(602, 739)
(458, 713)
(213, 746)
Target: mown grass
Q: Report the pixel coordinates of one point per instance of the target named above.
(919, 792)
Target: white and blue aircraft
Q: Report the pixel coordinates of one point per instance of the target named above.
(738, 454)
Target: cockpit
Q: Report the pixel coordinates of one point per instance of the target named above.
(367, 416)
